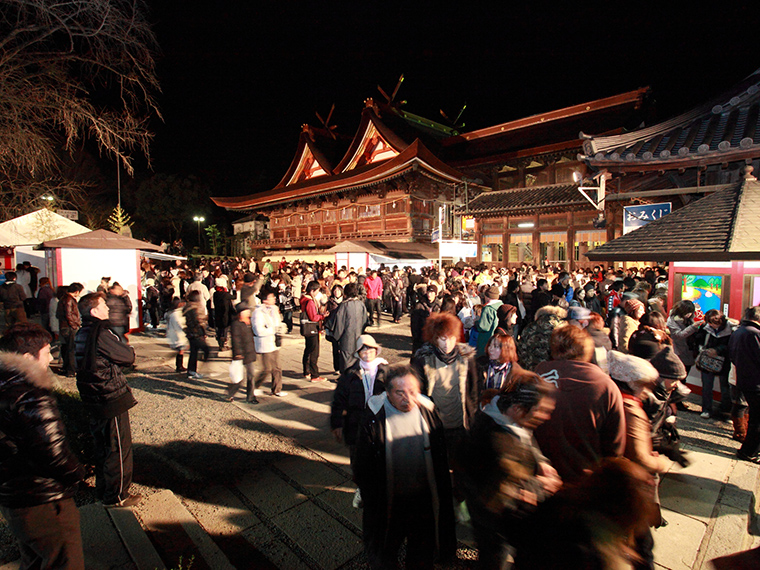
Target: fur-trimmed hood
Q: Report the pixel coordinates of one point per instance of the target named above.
(13, 364)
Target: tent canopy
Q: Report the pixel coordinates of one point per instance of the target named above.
(99, 239)
(39, 226)
(392, 250)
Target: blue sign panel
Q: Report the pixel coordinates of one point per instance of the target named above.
(636, 216)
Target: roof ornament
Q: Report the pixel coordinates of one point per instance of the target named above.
(326, 122)
(748, 172)
(391, 99)
(455, 123)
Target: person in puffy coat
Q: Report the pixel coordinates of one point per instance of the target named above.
(243, 349)
(119, 309)
(267, 323)
(682, 327)
(362, 380)
(107, 398)
(224, 312)
(39, 473)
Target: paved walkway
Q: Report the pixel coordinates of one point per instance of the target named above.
(297, 513)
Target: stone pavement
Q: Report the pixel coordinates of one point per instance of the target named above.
(710, 505)
(297, 513)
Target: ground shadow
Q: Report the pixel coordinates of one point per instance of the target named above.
(176, 385)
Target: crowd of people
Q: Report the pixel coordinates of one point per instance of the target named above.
(532, 400)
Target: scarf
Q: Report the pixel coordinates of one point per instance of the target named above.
(446, 358)
(369, 373)
(497, 374)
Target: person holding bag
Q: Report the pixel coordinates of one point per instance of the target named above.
(243, 355)
(266, 332)
(311, 322)
(712, 360)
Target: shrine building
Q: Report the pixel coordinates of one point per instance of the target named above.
(508, 187)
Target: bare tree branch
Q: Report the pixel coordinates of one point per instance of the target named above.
(71, 70)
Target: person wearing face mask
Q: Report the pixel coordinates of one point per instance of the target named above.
(311, 323)
(449, 376)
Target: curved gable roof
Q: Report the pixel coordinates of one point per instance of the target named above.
(368, 126)
(307, 151)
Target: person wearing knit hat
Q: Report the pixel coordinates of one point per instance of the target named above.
(634, 308)
(669, 390)
(492, 292)
(489, 319)
(592, 297)
(629, 323)
(668, 365)
(634, 375)
(578, 316)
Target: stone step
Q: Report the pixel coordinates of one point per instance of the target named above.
(112, 539)
(140, 548)
(178, 535)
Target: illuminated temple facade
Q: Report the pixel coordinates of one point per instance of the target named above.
(510, 187)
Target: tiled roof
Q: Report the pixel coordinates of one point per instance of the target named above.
(723, 226)
(506, 202)
(725, 128)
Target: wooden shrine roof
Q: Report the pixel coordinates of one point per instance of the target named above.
(722, 130)
(545, 131)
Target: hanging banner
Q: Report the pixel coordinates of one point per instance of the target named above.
(636, 216)
(459, 249)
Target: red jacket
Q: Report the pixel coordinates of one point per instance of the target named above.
(309, 307)
(374, 287)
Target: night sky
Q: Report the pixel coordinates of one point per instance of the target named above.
(240, 77)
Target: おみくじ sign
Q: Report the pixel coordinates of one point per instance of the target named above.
(636, 216)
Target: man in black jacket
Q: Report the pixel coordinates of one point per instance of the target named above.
(744, 351)
(107, 399)
(38, 471)
(12, 296)
(403, 474)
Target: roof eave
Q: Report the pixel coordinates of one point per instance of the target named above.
(639, 165)
(630, 97)
(654, 255)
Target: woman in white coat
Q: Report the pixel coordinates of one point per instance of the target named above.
(266, 324)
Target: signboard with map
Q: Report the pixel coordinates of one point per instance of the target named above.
(705, 291)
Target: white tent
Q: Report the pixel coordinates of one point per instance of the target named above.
(24, 232)
(39, 226)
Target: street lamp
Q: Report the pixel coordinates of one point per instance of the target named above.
(199, 219)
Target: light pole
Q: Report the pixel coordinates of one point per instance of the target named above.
(199, 219)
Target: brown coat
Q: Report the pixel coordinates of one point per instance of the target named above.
(68, 313)
(638, 438)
